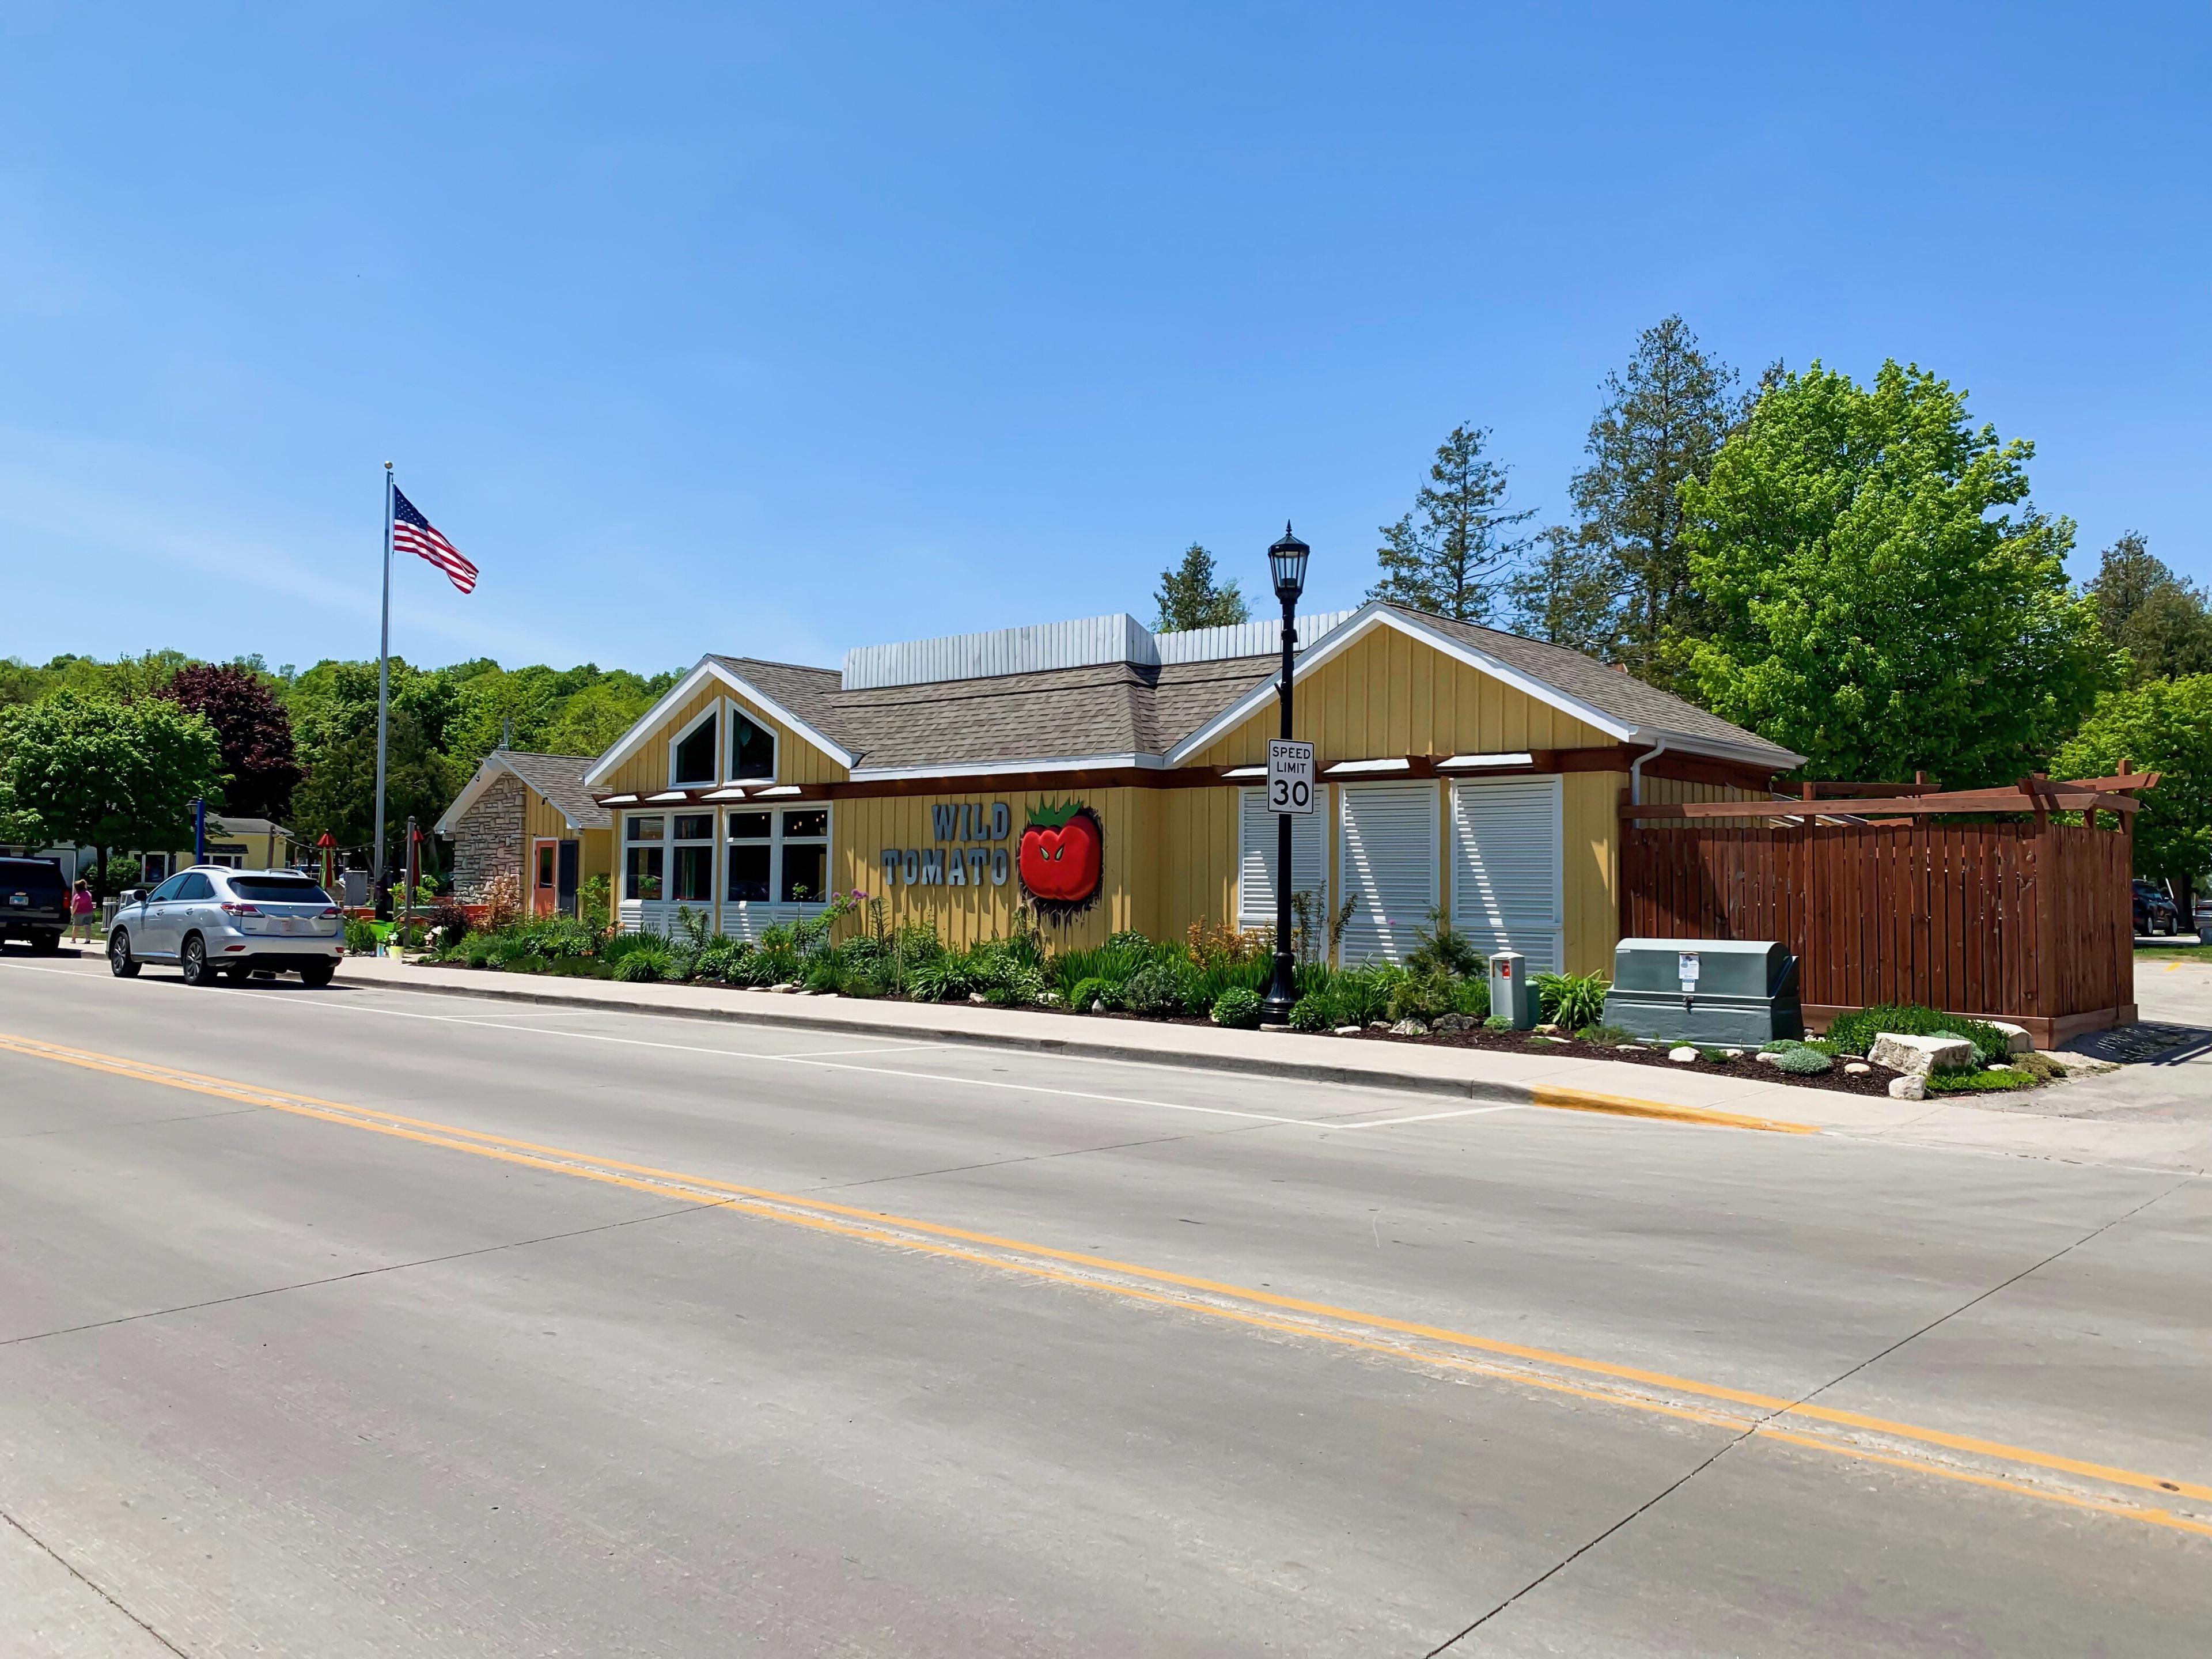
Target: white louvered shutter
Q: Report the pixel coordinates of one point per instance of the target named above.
(1388, 863)
(1255, 859)
(1507, 853)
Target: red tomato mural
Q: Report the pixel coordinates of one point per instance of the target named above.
(1061, 857)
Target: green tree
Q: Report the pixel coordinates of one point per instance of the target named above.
(96, 772)
(2163, 727)
(2160, 620)
(1570, 593)
(1867, 600)
(590, 719)
(1447, 563)
(334, 722)
(1189, 597)
(1662, 422)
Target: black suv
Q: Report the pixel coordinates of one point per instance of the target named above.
(2154, 912)
(33, 903)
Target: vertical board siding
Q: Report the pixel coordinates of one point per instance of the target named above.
(1998, 918)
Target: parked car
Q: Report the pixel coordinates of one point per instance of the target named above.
(215, 922)
(33, 903)
(2204, 919)
(2154, 912)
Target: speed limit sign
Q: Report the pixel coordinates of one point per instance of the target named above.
(1291, 777)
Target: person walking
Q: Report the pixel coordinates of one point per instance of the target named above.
(82, 911)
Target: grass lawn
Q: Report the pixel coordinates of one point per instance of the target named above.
(2163, 953)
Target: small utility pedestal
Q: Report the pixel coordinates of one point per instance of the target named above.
(1511, 996)
(1717, 992)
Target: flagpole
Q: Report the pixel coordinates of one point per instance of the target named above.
(383, 693)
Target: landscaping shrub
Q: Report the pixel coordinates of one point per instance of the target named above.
(1498, 1023)
(1313, 1013)
(1238, 1008)
(449, 923)
(1155, 988)
(1088, 992)
(360, 937)
(559, 938)
(723, 961)
(1854, 1033)
(513, 952)
(1438, 947)
(1425, 997)
(1362, 994)
(642, 964)
(819, 973)
(1572, 1001)
(2010, 1077)
(477, 949)
(1803, 1061)
(942, 980)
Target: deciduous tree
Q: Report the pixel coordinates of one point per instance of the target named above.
(1190, 596)
(2163, 727)
(1877, 590)
(96, 772)
(1445, 556)
(252, 725)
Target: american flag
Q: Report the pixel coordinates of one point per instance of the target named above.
(413, 533)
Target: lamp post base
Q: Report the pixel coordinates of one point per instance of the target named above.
(1283, 994)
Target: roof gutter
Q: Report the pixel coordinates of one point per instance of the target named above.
(1636, 771)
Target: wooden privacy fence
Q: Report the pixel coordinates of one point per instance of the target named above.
(2016, 918)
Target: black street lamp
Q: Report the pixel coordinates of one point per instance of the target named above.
(1287, 563)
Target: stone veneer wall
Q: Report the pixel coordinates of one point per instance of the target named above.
(489, 839)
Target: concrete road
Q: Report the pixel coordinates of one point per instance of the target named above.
(363, 1322)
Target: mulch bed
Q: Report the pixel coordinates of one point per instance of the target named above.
(1875, 1082)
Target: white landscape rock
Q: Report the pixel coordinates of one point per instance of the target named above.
(1908, 1087)
(2017, 1037)
(1857, 1068)
(1683, 1056)
(1766, 1058)
(1350, 1030)
(1919, 1055)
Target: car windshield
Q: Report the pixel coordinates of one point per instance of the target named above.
(278, 890)
(16, 873)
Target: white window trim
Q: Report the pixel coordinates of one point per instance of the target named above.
(780, 907)
(712, 842)
(732, 708)
(711, 711)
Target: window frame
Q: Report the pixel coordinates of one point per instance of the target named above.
(775, 843)
(726, 758)
(676, 844)
(631, 842)
(713, 711)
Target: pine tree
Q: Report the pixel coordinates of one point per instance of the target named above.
(1570, 593)
(1447, 564)
(1663, 420)
(2162, 620)
(1189, 596)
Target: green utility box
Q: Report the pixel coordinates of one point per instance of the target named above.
(1715, 992)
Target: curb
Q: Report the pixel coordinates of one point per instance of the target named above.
(1511, 1094)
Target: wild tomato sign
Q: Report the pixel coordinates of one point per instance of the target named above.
(1061, 858)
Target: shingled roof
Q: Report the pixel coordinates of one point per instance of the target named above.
(1122, 711)
(558, 778)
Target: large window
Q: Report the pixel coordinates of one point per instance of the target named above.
(695, 859)
(643, 858)
(781, 856)
(752, 748)
(752, 855)
(691, 758)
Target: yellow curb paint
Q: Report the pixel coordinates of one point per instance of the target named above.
(1584, 1100)
(772, 1206)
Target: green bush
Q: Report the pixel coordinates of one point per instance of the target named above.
(1573, 1000)
(513, 952)
(1803, 1061)
(558, 938)
(1498, 1023)
(1088, 992)
(642, 964)
(360, 937)
(478, 948)
(1854, 1033)
(1438, 948)
(2010, 1077)
(1363, 995)
(1313, 1013)
(723, 961)
(1426, 997)
(1236, 1008)
(940, 981)
(1157, 988)
(819, 972)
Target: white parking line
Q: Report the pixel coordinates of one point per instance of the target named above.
(1431, 1117)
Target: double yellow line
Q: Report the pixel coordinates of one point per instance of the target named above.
(1820, 1428)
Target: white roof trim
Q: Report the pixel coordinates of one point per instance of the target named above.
(1373, 615)
(709, 669)
(1246, 772)
(780, 789)
(1461, 763)
(956, 769)
(487, 769)
(1345, 768)
(619, 800)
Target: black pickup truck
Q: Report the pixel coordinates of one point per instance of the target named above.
(33, 903)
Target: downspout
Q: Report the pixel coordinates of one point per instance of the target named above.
(1636, 771)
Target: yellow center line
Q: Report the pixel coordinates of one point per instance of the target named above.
(1767, 1411)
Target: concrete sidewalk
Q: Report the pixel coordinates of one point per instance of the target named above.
(1689, 1094)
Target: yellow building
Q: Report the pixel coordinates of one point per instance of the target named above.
(529, 818)
(1461, 769)
(242, 843)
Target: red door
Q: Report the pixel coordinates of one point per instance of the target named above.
(545, 878)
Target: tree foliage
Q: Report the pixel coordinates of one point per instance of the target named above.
(1570, 592)
(1867, 597)
(2160, 620)
(1446, 555)
(1189, 595)
(2163, 727)
(1663, 420)
(96, 772)
(254, 727)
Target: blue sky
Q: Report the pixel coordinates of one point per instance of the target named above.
(782, 330)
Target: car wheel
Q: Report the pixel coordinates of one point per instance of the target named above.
(120, 963)
(192, 959)
(318, 974)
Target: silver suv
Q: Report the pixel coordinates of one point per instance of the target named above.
(215, 921)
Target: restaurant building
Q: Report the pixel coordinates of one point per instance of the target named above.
(1106, 777)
